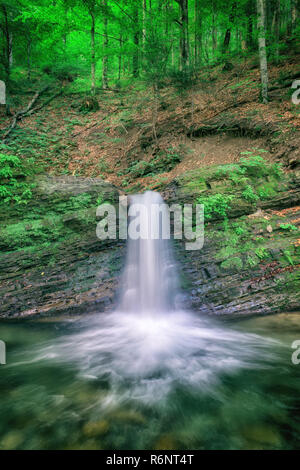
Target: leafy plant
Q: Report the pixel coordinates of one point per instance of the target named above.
(249, 194)
(13, 184)
(288, 256)
(266, 192)
(261, 253)
(81, 201)
(216, 205)
(233, 263)
(254, 165)
(289, 227)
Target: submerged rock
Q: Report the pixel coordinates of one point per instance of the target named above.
(95, 429)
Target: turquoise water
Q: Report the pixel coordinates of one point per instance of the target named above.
(52, 399)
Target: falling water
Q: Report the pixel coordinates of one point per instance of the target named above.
(149, 281)
(150, 345)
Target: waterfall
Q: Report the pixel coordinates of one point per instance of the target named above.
(149, 281)
(149, 345)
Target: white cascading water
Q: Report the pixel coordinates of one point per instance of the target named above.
(149, 346)
(149, 280)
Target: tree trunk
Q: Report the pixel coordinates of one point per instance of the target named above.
(11, 57)
(276, 27)
(120, 57)
(29, 58)
(93, 55)
(7, 44)
(214, 31)
(228, 31)
(249, 15)
(105, 45)
(198, 33)
(144, 22)
(293, 16)
(184, 36)
(136, 41)
(262, 49)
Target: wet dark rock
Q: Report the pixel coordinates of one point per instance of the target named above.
(58, 266)
(70, 271)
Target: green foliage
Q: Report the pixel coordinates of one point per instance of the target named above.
(233, 263)
(249, 194)
(240, 230)
(266, 191)
(231, 171)
(80, 201)
(252, 260)
(133, 41)
(216, 205)
(262, 253)
(13, 185)
(250, 168)
(254, 165)
(289, 227)
(288, 256)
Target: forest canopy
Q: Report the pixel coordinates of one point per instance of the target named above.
(97, 44)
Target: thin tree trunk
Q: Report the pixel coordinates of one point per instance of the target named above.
(120, 57)
(293, 16)
(214, 31)
(276, 27)
(295, 13)
(136, 41)
(11, 57)
(184, 36)
(262, 49)
(228, 31)
(198, 33)
(29, 58)
(93, 55)
(144, 22)
(7, 46)
(105, 45)
(249, 15)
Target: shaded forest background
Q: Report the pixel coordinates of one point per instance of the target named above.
(97, 44)
(125, 90)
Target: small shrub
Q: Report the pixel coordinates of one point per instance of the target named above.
(249, 194)
(216, 205)
(81, 201)
(266, 192)
(13, 184)
(289, 227)
(89, 104)
(254, 165)
(252, 260)
(288, 256)
(233, 263)
(261, 253)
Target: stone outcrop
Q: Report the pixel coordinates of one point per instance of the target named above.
(52, 263)
(250, 262)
